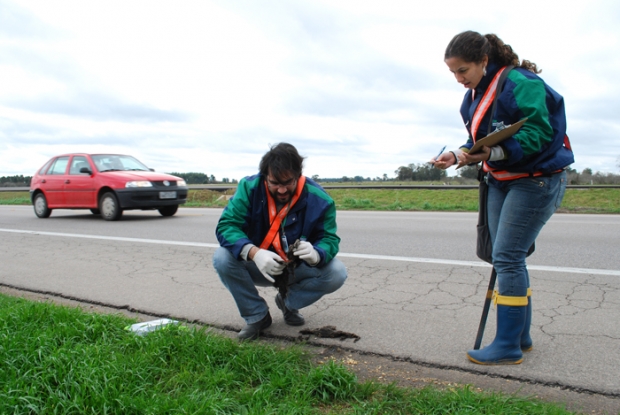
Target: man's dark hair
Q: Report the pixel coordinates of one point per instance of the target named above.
(281, 159)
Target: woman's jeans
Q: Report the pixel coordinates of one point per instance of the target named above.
(517, 211)
(308, 285)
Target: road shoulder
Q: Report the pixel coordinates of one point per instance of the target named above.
(384, 369)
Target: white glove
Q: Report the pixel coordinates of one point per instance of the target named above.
(306, 251)
(268, 263)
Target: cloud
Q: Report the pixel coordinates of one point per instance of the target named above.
(18, 22)
(360, 87)
(99, 107)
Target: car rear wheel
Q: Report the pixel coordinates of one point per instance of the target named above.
(109, 207)
(168, 210)
(40, 206)
(95, 211)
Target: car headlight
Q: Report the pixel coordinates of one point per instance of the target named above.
(181, 183)
(139, 184)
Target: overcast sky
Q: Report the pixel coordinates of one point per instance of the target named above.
(359, 87)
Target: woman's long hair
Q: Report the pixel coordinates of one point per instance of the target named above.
(472, 47)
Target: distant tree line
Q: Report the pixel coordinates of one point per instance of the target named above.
(412, 172)
(420, 173)
(341, 179)
(15, 181)
(587, 177)
(426, 172)
(195, 178)
(201, 178)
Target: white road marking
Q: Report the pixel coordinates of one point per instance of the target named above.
(590, 271)
(481, 264)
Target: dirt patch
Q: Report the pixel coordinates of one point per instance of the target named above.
(387, 370)
(328, 332)
(410, 375)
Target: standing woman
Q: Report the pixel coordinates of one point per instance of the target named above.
(526, 172)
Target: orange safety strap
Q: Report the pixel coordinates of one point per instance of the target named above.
(502, 175)
(483, 107)
(567, 142)
(485, 103)
(275, 217)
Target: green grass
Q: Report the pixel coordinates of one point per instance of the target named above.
(575, 200)
(466, 200)
(61, 360)
(207, 198)
(15, 198)
(591, 201)
(405, 200)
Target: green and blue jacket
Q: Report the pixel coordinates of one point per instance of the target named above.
(245, 219)
(539, 145)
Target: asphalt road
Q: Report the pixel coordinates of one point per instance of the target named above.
(568, 240)
(414, 292)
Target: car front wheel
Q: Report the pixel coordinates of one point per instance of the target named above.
(168, 210)
(40, 206)
(109, 207)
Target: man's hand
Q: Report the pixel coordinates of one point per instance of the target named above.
(268, 263)
(306, 251)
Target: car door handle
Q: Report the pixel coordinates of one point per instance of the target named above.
(67, 181)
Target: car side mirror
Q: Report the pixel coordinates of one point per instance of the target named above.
(86, 170)
(152, 169)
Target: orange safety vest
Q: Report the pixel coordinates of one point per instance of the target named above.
(275, 218)
(483, 107)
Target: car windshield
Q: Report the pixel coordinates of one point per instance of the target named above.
(116, 162)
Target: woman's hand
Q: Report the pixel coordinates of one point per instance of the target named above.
(482, 155)
(444, 161)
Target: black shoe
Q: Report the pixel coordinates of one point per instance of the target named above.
(252, 331)
(291, 317)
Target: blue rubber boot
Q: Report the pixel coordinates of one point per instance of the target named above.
(526, 340)
(506, 348)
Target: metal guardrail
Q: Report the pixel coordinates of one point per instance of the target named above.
(14, 189)
(219, 188)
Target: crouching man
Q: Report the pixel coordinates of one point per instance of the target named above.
(268, 213)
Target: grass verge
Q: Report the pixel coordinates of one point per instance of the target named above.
(15, 198)
(61, 360)
(576, 200)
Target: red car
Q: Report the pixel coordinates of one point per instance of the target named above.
(107, 184)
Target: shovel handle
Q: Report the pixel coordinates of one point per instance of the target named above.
(485, 309)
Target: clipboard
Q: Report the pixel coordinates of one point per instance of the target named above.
(497, 136)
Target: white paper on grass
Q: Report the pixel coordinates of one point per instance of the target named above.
(149, 326)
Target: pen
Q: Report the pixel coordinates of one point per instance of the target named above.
(440, 152)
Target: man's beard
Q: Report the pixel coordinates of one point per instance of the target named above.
(282, 197)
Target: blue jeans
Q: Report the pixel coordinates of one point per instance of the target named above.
(307, 287)
(517, 211)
